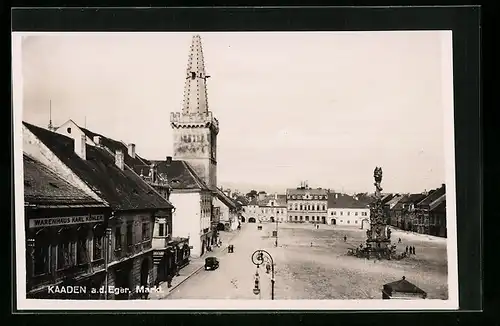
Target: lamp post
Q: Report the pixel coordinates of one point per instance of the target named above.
(107, 253)
(258, 258)
(276, 240)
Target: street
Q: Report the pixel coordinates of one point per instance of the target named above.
(234, 279)
(312, 264)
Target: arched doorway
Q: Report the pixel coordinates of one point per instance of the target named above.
(123, 279)
(364, 223)
(220, 227)
(272, 219)
(251, 220)
(333, 221)
(243, 219)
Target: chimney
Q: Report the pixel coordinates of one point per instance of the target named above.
(97, 140)
(131, 150)
(275, 195)
(169, 160)
(80, 146)
(119, 159)
(152, 172)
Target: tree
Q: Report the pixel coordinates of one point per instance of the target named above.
(252, 194)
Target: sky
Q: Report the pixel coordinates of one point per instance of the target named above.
(323, 107)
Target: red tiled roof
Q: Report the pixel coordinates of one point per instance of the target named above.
(345, 201)
(122, 189)
(43, 186)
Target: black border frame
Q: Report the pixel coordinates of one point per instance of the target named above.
(464, 21)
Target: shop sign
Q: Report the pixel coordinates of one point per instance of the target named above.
(58, 221)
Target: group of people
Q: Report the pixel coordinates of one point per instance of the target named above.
(410, 250)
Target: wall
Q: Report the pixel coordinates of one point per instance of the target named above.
(36, 149)
(316, 215)
(187, 220)
(276, 212)
(348, 216)
(195, 146)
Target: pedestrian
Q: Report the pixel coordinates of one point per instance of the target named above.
(399, 241)
(311, 244)
(413, 249)
(345, 238)
(406, 249)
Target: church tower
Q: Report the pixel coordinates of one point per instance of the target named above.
(195, 128)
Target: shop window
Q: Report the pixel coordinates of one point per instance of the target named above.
(65, 249)
(98, 242)
(42, 252)
(82, 252)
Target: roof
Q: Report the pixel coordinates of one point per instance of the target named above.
(432, 196)
(253, 202)
(387, 198)
(345, 201)
(437, 202)
(122, 189)
(241, 200)
(404, 286)
(394, 200)
(180, 175)
(400, 204)
(295, 191)
(440, 208)
(43, 186)
(224, 198)
(280, 200)
(114, 145)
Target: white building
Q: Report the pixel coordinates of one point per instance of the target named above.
(267, 208)
(228, 211)
(346, 210)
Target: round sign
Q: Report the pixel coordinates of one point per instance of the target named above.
(256, 291)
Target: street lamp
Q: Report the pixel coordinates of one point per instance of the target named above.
(258, 258)
(107, 256)
(276, 240)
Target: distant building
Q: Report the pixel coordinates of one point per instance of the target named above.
(347, 210)
(65, 233)
(228, 211)
(270, 208)
(307, 205)
(425, 223)
(105, 175)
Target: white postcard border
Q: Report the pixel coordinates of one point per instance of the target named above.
(135, 305)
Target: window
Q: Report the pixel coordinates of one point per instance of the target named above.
(356, 221)
(296, 218)
(335, 213)
(42, 252)
(300, 206)
(68, 130)
(348, 222)
(82, 255)
(341, 213)
(324, 207)
(65, 249)
(331, 213)
(145, 231)
(356, 214)
(307, 218)
(161, 229)
(130, 234)
(301, 218)
(98, 243)
(118, 237)
(348, 213)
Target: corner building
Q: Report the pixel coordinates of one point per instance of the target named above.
(306, 205)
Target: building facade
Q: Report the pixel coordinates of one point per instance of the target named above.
(306, 205)
(423, 209)
(135, 205)
(228, 212)
(65, 234)
(192, 199)
(345, 210)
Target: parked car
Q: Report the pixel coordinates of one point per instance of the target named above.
(211, 263)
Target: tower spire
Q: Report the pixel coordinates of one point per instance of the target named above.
(195, 88)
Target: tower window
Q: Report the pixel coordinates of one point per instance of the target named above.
(193, 75)
(69, 130)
